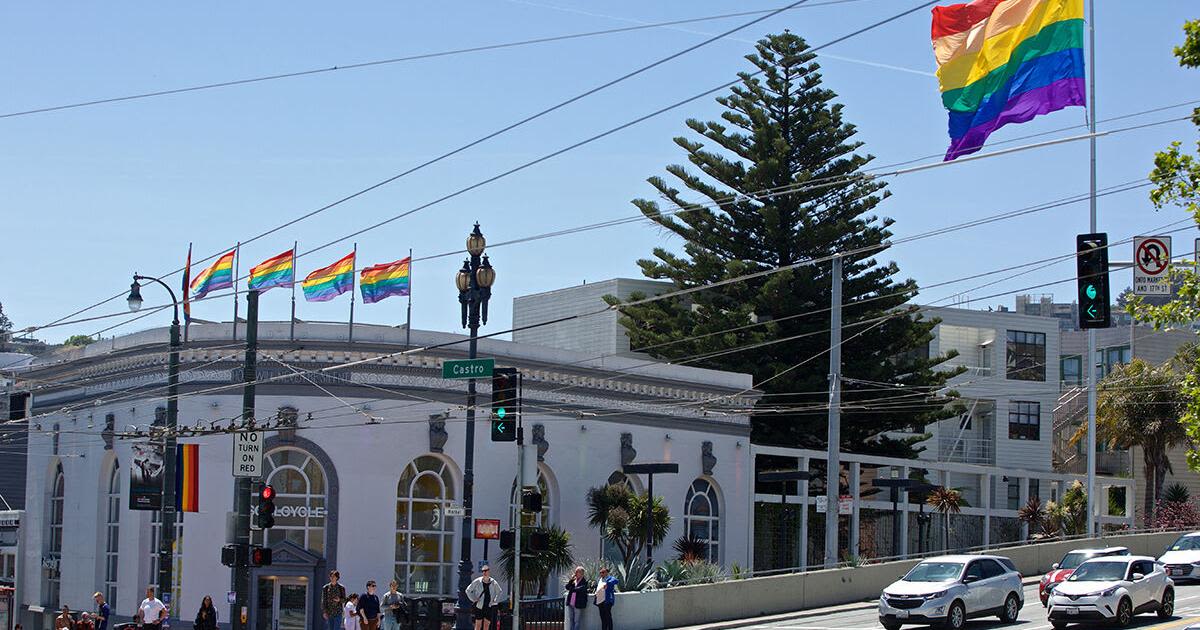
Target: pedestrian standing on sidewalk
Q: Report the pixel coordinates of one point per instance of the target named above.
(351, 617)
(102, 611)
(393, 607)
(206, 617)
(151, 611)
(333, 598)
(484, 594)
(606, 596)
(64, 621)
(577, 597)
(368, 607)
(85, 622)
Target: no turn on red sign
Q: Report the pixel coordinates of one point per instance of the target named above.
(1151, 265)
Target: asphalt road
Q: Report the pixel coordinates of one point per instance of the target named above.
(1033, 616)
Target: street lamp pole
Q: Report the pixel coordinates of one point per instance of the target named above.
(474, 282)
(167, 533)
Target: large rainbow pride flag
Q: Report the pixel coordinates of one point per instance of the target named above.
(1006, 61)
(385, 280)
(278, 271)
(218, 276)
(329, 282)
(187, 478)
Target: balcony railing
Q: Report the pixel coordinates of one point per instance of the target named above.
(966, 450)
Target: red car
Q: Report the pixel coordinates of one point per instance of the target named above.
(1063, 569)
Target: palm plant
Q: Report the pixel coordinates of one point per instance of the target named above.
(690, 548)
(537, 568)
(1033, 514)
(1177, 493)
(620, 515)
(946, 501)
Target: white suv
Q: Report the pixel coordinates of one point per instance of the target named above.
(948, 590)
(1112, 589)
(1182, 558)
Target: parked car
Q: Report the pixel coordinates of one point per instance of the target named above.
(948, 590)
(1182, 558)
(1063, 569)
(1112, 589)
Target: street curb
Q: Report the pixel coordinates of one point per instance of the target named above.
(801, 614)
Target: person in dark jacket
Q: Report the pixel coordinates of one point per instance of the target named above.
(577, 597)
(206, 617)
(368, 607)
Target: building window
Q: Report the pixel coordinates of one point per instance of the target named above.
(1024, 420)
(176, 557)
(112, 542)
(1026, 356)
(55, 535)
(424, 535)
(541, 519)
(300, 499)
(1071, 369)
(1108, 359)
(702, 517)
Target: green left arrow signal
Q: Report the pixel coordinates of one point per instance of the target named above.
(1091, 310)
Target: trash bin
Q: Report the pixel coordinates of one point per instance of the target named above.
(430, 613)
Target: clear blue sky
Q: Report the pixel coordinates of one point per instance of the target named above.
(93, 194)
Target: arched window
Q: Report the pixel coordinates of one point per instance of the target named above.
(112, 533)
(300, 499)
(702, 517)
(541, 519)
(55, 537)
(424, 535)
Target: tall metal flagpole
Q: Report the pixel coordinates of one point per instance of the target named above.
(833, 460)
(187, 290)
(408, 325)
(1090, 362)
(292, 327)
(237, 270)
(353, 273)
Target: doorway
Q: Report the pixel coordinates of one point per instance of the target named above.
(282, 603)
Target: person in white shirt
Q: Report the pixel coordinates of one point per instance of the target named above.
(151, 612)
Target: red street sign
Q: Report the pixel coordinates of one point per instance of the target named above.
(487, 529)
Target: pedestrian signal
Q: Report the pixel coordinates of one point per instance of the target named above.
(260, 556)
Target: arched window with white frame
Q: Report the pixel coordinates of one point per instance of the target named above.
(424, 534)
(54, 535)
(112, 532)
(300, 499)
(702, 517)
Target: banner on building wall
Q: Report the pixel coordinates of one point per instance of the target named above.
(146, 477)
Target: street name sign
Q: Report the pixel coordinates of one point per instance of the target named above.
(455, 510)
(1151, 265)
(470, 368)
(248, 454)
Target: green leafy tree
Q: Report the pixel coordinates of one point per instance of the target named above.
(78, 340)
(5, 329)
(1068, 516)
(1176, 178)
(1140, 405)
(620, 515)
(776, 182)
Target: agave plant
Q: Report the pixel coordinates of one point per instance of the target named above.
(673, 573)
(636, 575)
(704, 572)
(1176, 493)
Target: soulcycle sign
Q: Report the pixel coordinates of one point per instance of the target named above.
(300, 511)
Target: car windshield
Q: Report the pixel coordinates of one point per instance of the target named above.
(1073, 559)
(1186, 543)
(1099, 572)
(934, 572)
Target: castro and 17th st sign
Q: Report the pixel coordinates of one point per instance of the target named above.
(1151, 265)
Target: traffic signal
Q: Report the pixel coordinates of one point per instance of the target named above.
(1091, 261)
(531, 500)
(504, 405)
(507, 538)
(229, 555)
(264, 515)
(260, 556)
(539, 540)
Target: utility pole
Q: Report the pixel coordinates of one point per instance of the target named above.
(1090, 362)
(516, 604)
(241, 491)
(833, 458)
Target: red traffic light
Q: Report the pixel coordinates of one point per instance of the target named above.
(267, 493)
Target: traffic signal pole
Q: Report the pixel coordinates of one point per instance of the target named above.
(240, 582)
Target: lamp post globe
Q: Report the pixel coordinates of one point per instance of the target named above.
(476, 242)
(463, 278)
(485, 276)
(135, 297)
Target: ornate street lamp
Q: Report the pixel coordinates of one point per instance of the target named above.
(474, 282)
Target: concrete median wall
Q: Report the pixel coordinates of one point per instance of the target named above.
(739, 599)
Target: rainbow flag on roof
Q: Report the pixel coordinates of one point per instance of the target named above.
(380, 281)
(1006, 61)
(278, 271)
(329, 282)
(218, 276)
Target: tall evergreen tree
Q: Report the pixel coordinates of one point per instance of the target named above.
(781, 132)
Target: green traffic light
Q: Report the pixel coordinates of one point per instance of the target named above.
(1091, 291)
(500, 413)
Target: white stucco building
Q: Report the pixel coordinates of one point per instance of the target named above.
(364, 459)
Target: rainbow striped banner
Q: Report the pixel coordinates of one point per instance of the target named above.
(278, 271)
(187, 478)
(381, 281)
(329, 282)
(1006, 61)
(218, 276)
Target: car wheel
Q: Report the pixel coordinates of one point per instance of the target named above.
(1012, 608)
(890, 625)
(1124, 613)
(956, 617)
(1167, 607)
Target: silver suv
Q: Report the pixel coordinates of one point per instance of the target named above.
(948, 590)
